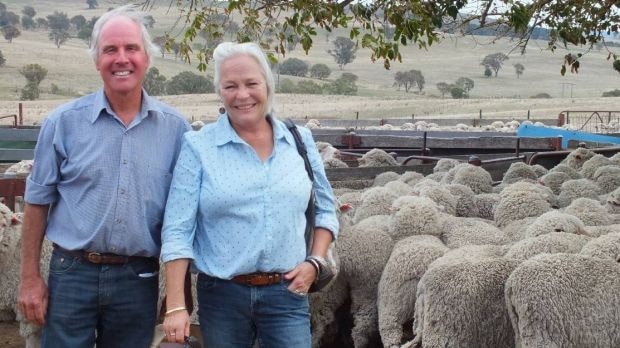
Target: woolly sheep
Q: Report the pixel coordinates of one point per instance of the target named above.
(20, 168)
(564, 168)
(485, 204)
(327, 150)
(590, 211)
(438, 177)
(553, 243)
(554, 180)
(334, 163)
(555, 221)
(519, 171)
(458, 232)
(10, 254)
(377, 158)
(449, 175)
(411, 178)
(383, 178)
(440, 195)
(565, 300)
(313, 123)
(397, 286)
(607, 178)
(461, 304)
(363, 254)
(420, 215)
(615, 159)
(375, 201)
(399, 188)
(604, 247)
(597, 231)
(539, 170)
(197, 125)
(576, 158)
(474, 177)
(613, 202)
(465, 200)
(590, 166)
(515, 230)
(573, 189)
(519, 204)
(444, 165)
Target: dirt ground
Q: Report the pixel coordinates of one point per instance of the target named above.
(9, 335)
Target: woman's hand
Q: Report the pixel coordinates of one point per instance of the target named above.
(176, 326)
(301, 278)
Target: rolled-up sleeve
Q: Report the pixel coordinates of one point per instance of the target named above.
(326, 216)
(180, 218)
(41, 184)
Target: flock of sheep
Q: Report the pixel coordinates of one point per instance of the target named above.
(450, 260)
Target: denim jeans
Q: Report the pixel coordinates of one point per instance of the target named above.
(234, 315)
(107, 305)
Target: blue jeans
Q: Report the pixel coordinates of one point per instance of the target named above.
(234, 315)
(107, 305)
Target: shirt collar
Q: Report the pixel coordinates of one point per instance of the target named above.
(101, 103)
(225, 133)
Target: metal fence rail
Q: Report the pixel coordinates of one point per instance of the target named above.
(604, 122)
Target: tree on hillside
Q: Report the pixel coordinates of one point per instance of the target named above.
(2, 60)
(154, 83)
(59, 25)
(187, 82)
(2, 7)
(293, 67)
(86, 32)
(344, 85)
(344, 51)
(320, 71)
(29, 11)
(416, 23)
(78, 22)
(466, 85)
(42, 23)
(34, 74)
(8, 18)
(494, 61)
(519, 68)
(10, 32)
(488, 72)
(28, 23)
(92, 4)
(443, 88)
(409, 79)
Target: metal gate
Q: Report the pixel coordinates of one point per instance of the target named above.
(603, 122)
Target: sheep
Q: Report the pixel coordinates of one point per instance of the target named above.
(10, 254)
(565, 300)
(519, 204)
(539, 170)
(485, 204)
(334, 163)
(197, 125)
(440, 195)
(327, 150)
(590, 166)
(460, 302)
(555, 221)
(465, 200)
(519, 171)
(515, 230)
(383, 178)
(476, 178)
(613, 202)
(20, 168)
(444, 165)
(604, 247)
(564, 168)
(399, 188)
(556, 242)
(607, 178)
(375, 201)
(554, 180)
(458, 232)
(573, 189)
(597, 231)
(399, 280)
(377, 158)
(438, 177)
(411, 178)
(449, 175)
(419, 215)
(590, 211)
(363, 254)
(313, 124)
(615, 159)
(578, 157)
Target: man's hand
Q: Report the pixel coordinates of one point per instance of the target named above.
(33, 299)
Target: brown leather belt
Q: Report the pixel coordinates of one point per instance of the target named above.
(101, 258)
(258, 279)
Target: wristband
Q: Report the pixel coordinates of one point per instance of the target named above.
(176, 309)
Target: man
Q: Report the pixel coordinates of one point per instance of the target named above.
(97, 191)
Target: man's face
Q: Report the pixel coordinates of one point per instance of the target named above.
(122, 60)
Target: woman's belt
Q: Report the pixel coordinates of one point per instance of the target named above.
(258, 279)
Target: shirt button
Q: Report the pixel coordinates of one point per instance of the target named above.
(118, 221)
(124, 161)
(122, 191)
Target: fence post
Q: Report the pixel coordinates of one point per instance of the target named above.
(561, 119)
(21, 114)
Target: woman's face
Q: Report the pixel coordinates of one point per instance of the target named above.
(243, 90)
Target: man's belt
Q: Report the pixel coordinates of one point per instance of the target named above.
(101, 258)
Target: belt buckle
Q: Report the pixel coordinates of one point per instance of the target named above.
(94, 257)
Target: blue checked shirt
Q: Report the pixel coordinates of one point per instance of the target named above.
(106, 184)
(233, 214)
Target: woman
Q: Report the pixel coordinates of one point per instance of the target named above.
(236, 211)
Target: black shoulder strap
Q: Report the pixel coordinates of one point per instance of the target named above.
(301, 147)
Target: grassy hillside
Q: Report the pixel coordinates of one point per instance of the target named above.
(71, 69)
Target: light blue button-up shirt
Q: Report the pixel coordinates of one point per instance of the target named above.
(106, 184)
(234, 214)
